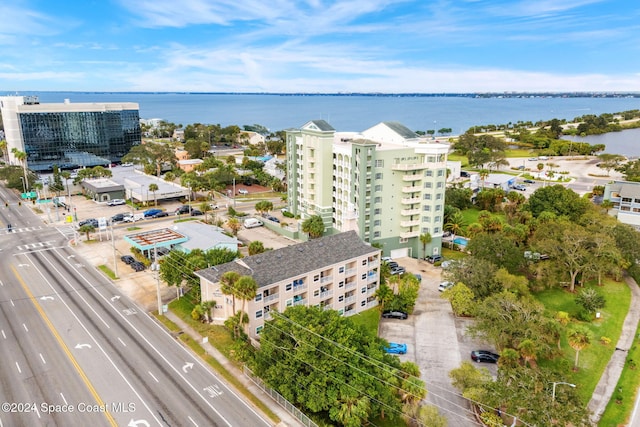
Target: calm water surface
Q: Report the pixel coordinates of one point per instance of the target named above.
(356, 113)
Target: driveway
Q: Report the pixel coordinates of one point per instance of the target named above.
(436, 341)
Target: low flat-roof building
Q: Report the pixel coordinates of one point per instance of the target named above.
(339, 272)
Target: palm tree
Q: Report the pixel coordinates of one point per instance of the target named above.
(234, 225)
(528, 352)
(352, 410)
(228, 284)
(313, 226)
(3, 147)
(153, 187)
(484, 173)
(21, 156)
(87, 228)
(456, 223)
(425, 239)
(245, 289)
(579, 338)
(384, 295)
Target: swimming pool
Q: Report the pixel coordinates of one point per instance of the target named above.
(462, 241)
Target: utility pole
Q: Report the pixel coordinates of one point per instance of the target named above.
(157, 267)
(113, 245)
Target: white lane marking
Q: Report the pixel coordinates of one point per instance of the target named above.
(12, 304)
(18, 366)
(121, 342)
(25, 327)
(3, 335)
(153, 376)
(42, 358)
(63, 399)
(55, 292)
(194, 423)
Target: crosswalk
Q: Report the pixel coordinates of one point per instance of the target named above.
(21, 229)
(35, 246)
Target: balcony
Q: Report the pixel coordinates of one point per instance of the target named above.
(326, 279)
(271, 297)
(410, 201)
(409, 178)
(408, 166)
(326, 294)
(409, 212)
(373, 303)
(301, 301)
(372, 290)
(350, 272)
(412, 223)
(412, 189)
(372, 278)
(410, 234)
(298, 288)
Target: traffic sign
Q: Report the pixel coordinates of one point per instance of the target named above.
(29, 195)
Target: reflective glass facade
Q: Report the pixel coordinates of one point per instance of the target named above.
(75, 139)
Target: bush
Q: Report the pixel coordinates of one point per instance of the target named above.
(287, 214)
(605, 340)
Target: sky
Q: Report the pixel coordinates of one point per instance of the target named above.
(318, 46)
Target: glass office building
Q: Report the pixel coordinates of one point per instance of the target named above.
(70, 135)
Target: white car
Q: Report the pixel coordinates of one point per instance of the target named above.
(444, 286)
(243, 191)
(116, 202)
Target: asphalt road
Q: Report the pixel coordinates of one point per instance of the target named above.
(76, 351)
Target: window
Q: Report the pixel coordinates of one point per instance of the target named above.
(428, 173)
(426, 219)
(379, 175)
(258, 314)
(403, 240)
(341, 269)
(364, 276)
(436, 230)
(341, 284)
(364, 262)
(341, 298)
(316, 293)
(438, 208)
(427, 196)
(377, 222)
(440, 172)
(426, 208)
(376, 234)
(363, 303)
(439, 196)
(363, 290)
(377, 200)
(377, 211)
(289, 302)
(288, 287)
(440, 184)
(259, 329)
(438, 219)
(426, 230)
(379, 163)
(378, 188)
(428, 185)
(258, 297)
(316, 277)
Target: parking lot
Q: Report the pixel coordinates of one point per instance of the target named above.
(436, 341)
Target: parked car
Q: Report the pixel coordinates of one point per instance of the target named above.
(392, 314)
(214, 206)
(243, 191)
(116, 202)
(161, 214)
(273, 218)
(395, 348)
(392, 265)
(252, 222)
(484, 356)
(533, 159)
(397, 270)
(118, 218)
(149, 213)
(443, 286)
(529, 181)
(196, 212)
(519, 187)
(137, 266)
(132, 218)
(386, 259)
(434, 258)
(445, 264)
(127, 259)
(184, 209)
(90, 221)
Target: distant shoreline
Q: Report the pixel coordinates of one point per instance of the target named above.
(373, 94)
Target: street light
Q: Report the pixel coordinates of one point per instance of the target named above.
(553, 395)
(24, 186)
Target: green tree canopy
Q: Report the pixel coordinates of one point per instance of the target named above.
(313, 226)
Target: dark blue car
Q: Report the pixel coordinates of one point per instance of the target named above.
(149, 213)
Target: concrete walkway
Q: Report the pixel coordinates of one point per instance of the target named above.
(609, 379)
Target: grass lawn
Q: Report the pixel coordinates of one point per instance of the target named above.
(369, 319)
(593, 359)
(519, 152)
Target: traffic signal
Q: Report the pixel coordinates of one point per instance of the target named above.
(6, 205)
(19, 203)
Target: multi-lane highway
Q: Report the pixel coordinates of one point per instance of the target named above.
(75, 351)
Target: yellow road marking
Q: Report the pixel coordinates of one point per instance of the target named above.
(64, 347)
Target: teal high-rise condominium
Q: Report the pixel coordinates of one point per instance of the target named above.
(69, 135)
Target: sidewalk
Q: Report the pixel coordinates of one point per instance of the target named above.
(286, 418)
(609, 379)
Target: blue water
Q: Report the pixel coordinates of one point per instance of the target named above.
(460, 241)
(350, 113)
